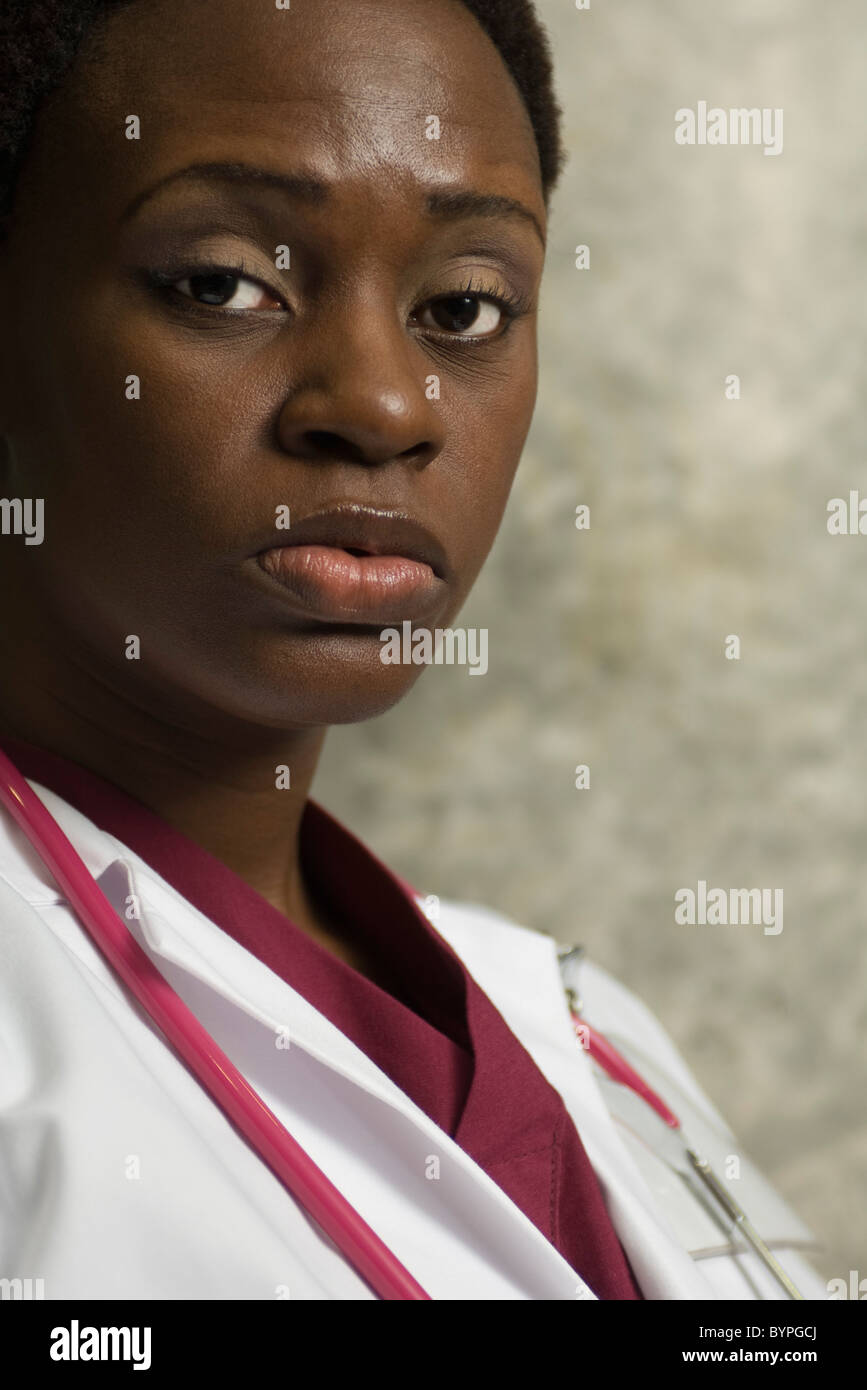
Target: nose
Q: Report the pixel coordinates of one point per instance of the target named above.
(360, 394)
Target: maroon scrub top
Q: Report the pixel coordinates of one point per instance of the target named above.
(437, 1036)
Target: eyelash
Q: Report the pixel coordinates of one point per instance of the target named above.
(512, 303)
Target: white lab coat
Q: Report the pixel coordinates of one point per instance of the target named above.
(121, 1178)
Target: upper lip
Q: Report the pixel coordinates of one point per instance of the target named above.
(374, 530)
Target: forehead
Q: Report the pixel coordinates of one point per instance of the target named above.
(346, 85)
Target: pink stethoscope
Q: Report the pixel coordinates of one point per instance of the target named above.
(359, 1244)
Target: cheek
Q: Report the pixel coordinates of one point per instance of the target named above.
(487, 430)
(140, 496)
(136, 443)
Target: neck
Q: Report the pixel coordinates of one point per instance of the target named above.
(237, 790)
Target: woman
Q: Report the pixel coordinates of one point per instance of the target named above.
(270, 279)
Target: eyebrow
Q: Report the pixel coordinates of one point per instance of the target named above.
(442, 204)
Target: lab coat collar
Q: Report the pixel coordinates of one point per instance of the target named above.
(206, 965)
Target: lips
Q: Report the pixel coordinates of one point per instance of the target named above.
(359, 564)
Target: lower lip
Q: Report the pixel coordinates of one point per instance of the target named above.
(333, 585)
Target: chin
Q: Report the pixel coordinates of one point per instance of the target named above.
(334, 678)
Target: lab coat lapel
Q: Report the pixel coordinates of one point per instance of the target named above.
(498, 955)
(462, 1221)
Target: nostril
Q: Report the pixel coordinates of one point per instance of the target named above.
(327, 444)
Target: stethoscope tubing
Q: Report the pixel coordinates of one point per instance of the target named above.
(358, 1242)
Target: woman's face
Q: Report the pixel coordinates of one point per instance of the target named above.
(335, 381)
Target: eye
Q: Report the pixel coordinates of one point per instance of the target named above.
(226, 289)
(466, 314)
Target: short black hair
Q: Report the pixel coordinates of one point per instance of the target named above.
(40, 38)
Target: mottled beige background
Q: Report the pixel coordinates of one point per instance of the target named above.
(708, 518)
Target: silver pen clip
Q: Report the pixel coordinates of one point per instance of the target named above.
(672, 1146)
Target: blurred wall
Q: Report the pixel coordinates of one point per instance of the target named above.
(708, 518)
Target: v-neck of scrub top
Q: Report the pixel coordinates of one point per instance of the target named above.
(435, 1033)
